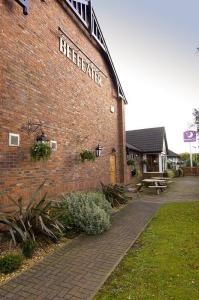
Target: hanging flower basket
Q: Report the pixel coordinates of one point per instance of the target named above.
(87, 155)
(40, 151)
(131, 162)
(144, 162)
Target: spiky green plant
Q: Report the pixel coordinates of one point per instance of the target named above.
(26, 222)
(115, 194)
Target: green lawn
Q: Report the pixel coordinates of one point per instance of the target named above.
(164, 263)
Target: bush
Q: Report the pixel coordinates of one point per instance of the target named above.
(188, 163)
(28, 248)
(179, 172)
(87, 212)
(169, 174)
(10, 263)
(115, 194)
(100, 200)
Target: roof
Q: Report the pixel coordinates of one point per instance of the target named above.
(149, 140)
(132, 148)
(84, 11)
(172, 154)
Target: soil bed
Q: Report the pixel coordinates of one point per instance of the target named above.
(44, 248)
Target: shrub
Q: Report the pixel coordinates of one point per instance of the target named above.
(115, 194)
(28, 221)
(169, 173)
(138, 173)
(28, 247)
(179, 172)
(40, 151)
(87, 212)
(100, 200)
(10, 263)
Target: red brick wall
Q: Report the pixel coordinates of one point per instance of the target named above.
(39, 83)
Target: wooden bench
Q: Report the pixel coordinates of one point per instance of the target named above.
(158, 188)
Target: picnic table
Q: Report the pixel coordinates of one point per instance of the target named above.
(167, 179)
(158, 184)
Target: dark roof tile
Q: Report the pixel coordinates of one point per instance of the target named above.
(172, 154)
(148, 140)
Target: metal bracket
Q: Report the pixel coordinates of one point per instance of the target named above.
(31, 127)
(24, 4)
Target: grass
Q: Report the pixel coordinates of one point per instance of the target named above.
(164, 263)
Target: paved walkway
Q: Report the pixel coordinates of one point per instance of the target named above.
(183, 189)
(79, 269)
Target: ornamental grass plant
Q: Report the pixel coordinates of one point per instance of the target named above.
(114, 194)
(26, 222)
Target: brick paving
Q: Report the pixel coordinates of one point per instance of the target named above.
(80, 268)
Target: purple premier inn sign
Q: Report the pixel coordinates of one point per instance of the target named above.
(190, 136)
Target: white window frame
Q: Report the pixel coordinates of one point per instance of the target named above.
(55, 143)
(10, 138)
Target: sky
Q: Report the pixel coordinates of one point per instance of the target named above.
(153, 46)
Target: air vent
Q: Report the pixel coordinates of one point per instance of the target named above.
(53, 145)
(14, 140)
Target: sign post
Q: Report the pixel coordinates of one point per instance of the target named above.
(190, 137)
(191, 160)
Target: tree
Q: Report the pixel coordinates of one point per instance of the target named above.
(196, 118)
(185, 156)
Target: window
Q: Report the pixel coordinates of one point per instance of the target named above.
(14, 140)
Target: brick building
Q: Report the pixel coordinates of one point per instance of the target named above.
(57, 77)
